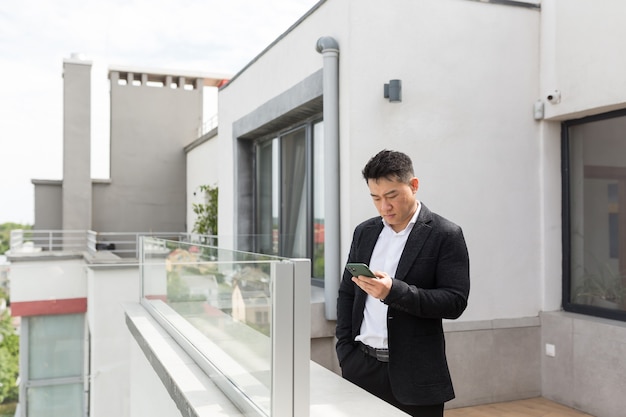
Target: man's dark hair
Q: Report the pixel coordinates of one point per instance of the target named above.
(390, 165)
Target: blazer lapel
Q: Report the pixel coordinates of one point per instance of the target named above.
(370, 237)
(418, 236)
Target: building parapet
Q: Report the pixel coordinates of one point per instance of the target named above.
(126, 75)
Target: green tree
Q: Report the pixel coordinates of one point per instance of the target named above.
(5, 234)
(9, 359)
(206, 213)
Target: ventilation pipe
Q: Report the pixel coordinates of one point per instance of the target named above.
(329, 48)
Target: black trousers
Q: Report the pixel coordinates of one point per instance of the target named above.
(373, 376)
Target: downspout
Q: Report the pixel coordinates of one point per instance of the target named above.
(329, 48)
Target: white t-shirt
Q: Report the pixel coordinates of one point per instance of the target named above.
(385, 258)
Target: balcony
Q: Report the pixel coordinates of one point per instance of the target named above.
(160, 319)
(215, 331)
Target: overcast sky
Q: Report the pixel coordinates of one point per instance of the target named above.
(214, 36)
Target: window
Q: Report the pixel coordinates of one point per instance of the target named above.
(54, 380)
(594, 173)
(289, 205)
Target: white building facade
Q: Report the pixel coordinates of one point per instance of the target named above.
(513, 117)
(511, 114)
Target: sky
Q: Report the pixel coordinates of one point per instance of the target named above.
(208, 36)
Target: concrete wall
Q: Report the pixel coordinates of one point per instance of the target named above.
(588, 368)
(76, 144)
(48, 205)
(108, 287)
(150, 125)
(153, 117)
(47, 279)
(494, 360)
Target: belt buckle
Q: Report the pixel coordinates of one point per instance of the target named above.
(382, 355)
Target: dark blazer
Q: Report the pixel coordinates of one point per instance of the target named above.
(431, 283)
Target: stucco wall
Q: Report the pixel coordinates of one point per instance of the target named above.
(48, 205)
(580, 45)
(150, 125)
(109, 287)
(47, 280)
(470, 78)
(76, 145)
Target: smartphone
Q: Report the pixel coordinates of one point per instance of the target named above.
(357, 269)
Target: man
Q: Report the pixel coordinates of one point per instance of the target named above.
(390, 337)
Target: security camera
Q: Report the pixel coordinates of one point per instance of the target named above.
(554, 97)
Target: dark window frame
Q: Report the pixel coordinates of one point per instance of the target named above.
(567, 304)
(308, 124)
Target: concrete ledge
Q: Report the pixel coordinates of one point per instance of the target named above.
(195, 394)
(470, 326)
(583, 317)
(44, 256)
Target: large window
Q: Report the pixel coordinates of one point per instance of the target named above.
(594, 173)
(289, 205)
(54, 379)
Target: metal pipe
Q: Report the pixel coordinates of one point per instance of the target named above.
(329, 48)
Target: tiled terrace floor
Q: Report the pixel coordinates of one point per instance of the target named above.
(534, 407)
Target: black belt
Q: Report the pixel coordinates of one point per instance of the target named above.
(381, 354)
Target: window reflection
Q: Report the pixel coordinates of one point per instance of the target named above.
(597, 180)
(290, 195)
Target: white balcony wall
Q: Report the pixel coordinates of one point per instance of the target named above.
(43, 280)
(108, 288)
(470, 77)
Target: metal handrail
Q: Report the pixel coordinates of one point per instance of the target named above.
(124, 244)
(46, 240)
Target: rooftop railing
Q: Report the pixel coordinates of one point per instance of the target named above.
(244, 317)
(123, 244)
(47, 240)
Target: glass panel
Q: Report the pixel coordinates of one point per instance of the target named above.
(224, 297)
(56, 401)
(55, 346)
(290, 196)
(294, 194)
(598, 214)
(318, 200)
(267, 198)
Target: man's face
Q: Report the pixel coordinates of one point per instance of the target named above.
(394, 200)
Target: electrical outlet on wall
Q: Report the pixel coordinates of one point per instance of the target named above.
(550, 350)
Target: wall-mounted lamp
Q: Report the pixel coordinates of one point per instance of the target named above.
(393, 91)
